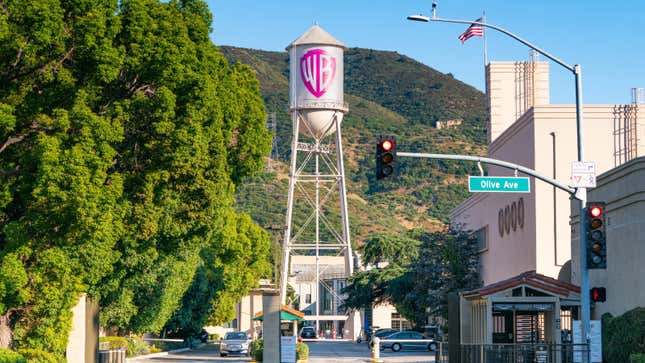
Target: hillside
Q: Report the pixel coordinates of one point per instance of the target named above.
(388, 94)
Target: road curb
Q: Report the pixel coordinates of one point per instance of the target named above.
(154, 355)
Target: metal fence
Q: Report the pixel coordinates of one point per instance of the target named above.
(521, 353)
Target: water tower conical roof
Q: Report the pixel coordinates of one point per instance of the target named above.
(316, 35)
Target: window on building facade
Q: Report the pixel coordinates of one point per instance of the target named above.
(565, 319)
(499, 324)
(399, 322)
(308, 299)
(482, 238)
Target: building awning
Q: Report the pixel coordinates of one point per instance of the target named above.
(529, 279)
(286, 314)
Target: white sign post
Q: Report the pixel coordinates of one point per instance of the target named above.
(595, 334)
(583, 174)
(288, 349)
(595, 328)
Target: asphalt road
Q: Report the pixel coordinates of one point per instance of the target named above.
(319, 352)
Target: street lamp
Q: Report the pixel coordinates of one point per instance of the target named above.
(581, 193)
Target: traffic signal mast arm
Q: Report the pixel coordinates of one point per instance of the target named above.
(501, 163)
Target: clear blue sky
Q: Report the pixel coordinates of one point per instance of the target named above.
(604, 37)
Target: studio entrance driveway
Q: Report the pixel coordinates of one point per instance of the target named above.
(319, 352)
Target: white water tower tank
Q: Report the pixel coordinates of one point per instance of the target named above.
(316, 81)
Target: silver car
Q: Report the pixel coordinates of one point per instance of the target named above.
(393, 341)
(234, 343)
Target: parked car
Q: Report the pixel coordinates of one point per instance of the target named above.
(308, 332)
(236, 342)
(381, 333)
(394, 342)
(202, 336)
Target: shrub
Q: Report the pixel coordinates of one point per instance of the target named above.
(257, 349)
(9, 356)
(637, 358)
(623, 335)
(258, 354)
(111, 342)
(302, 351)
(136, 346)
(214, 337)
(39, 356)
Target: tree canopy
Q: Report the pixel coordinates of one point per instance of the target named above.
(123, 135)
(422, 269)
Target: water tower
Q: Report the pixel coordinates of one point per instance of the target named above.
(317, 254)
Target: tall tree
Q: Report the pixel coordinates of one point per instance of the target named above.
(424, 267)
(124, 133)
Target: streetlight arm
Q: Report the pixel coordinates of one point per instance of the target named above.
(501, 30)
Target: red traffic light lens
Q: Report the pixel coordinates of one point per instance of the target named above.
(387, 145)
(595, 211)
(595, 295)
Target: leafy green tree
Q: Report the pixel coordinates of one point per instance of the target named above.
(448, 262)
(391, 249)
(389, 256)
(435, 264)
(123, 135)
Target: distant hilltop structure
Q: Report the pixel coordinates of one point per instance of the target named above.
(446, 124)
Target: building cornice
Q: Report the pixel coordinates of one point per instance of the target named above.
(525, 120)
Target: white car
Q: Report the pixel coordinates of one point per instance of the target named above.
(234, 343)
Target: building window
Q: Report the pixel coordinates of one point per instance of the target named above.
(400, 323)
(565, 319)
(230, 325)
(482, 238)
(307, 298)
(499, 324)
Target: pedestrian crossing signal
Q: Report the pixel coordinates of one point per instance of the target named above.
(598, 294)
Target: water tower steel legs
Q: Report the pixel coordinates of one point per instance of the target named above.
(298, 176)
(284, 278)
(349, 265)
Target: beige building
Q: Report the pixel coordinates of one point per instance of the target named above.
(530, 232)
(623, 189)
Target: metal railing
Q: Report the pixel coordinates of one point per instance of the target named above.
(523, 353)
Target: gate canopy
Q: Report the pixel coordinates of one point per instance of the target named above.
(286, 314)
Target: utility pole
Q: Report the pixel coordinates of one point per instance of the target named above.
(581, 192)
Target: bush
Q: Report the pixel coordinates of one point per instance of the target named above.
(9, 356)
(637, 358)
(110, 343)
(257, 349)
(136, 346)
(258, 354)
(302, 351)
(39, 356)
(623, 336)
(214, 337)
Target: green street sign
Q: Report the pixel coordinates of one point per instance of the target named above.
(499, 184)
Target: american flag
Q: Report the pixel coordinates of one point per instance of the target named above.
(474, 30)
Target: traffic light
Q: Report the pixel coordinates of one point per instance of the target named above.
(598, 294)
(385, 157)
(596, 237)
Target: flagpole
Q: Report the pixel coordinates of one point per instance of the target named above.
(484, 36)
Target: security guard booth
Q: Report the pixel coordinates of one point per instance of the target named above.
(526, 309)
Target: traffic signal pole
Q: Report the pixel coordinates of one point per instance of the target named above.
(580, 193)
(502, 163)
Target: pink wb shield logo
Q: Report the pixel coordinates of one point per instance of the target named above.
(317, 69)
